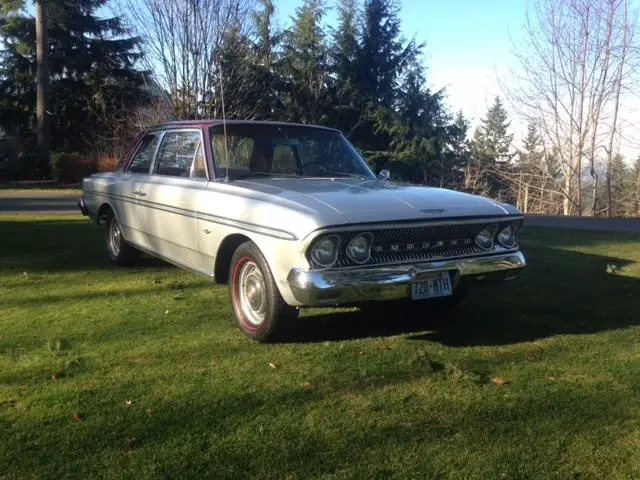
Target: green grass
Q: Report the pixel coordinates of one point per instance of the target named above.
(110, 372)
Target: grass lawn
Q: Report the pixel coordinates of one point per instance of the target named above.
(110, 372)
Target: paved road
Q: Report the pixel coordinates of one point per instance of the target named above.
(65, 202)
(585, 223)
(48, 201)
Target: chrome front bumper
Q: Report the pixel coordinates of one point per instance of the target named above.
(355, 285)
(82, 206)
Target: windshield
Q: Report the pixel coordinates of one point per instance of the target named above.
(285, 151)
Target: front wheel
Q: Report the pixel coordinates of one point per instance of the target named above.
(258, 308)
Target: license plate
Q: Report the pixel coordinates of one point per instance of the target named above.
(436, 284)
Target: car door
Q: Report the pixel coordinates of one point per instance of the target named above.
(177, 176)
(128, 201)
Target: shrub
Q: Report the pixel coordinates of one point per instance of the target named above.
(71, 167)
(105, 163)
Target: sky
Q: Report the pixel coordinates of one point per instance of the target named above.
(467, 44)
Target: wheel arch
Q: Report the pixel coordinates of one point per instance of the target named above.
(227, 248)
(103, 211)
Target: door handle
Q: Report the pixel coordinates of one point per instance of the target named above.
(142, 194)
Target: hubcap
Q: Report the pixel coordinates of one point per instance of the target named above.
(114, 236)
(252, 293)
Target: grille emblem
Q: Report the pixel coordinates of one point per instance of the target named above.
(410, 246)
(395, 248)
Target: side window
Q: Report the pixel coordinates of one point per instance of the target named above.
(199, 169)
(141, 161)
(284, 160)
(176, 154)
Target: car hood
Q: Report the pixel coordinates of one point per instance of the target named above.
(360, 201)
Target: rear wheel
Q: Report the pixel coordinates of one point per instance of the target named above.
(259, 309)
(118, 250)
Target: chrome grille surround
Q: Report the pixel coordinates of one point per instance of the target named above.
(409, 244)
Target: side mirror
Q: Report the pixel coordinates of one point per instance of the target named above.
(384, 175)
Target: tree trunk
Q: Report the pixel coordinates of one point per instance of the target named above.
(42, 82)
(566, 204)
(594, 205)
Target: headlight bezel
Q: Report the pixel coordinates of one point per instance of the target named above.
(349, 254)
(337, 244)
(491, 230)
(514, 241)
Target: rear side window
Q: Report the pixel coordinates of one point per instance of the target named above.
(141, 161)
(177, 153)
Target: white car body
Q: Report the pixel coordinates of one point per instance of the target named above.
(196, 221)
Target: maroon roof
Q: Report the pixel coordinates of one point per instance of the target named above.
(210, 122)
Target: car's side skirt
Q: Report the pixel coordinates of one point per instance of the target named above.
(172, 261)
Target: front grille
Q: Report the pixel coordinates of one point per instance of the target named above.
(422, 243)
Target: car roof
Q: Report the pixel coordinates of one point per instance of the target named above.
(211, 122)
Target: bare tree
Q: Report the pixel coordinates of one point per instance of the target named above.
(572, 69)
(182, 38)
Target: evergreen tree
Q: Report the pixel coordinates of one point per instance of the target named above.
(344, 93)
(491, 149)
(305, 62)
(248, 68)
(621, 187)
(419, 130)
(492, 139)
(92, 74)
(458, 150)
(383, 55)
(635, 189)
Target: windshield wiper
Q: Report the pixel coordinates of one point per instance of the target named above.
(338, 174)
(240, 176)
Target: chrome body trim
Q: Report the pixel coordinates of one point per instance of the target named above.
(348, 286)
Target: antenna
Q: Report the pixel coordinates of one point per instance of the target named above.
(224, 129)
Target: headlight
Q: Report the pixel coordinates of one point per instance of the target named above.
(507, 237)
(325, 251)
(359, 247)
(484, 239)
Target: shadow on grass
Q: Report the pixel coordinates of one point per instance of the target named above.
(560, 292)
(55, 245)
(215, 429)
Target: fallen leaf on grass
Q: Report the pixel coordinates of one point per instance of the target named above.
(148, 412)
(306, 385)
(128, 403)
(55, 376)
(272, 365)
(499, 381)
(76, 416)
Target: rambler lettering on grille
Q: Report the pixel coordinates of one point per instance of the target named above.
(422, 243)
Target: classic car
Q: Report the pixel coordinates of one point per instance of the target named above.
(292, 216)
